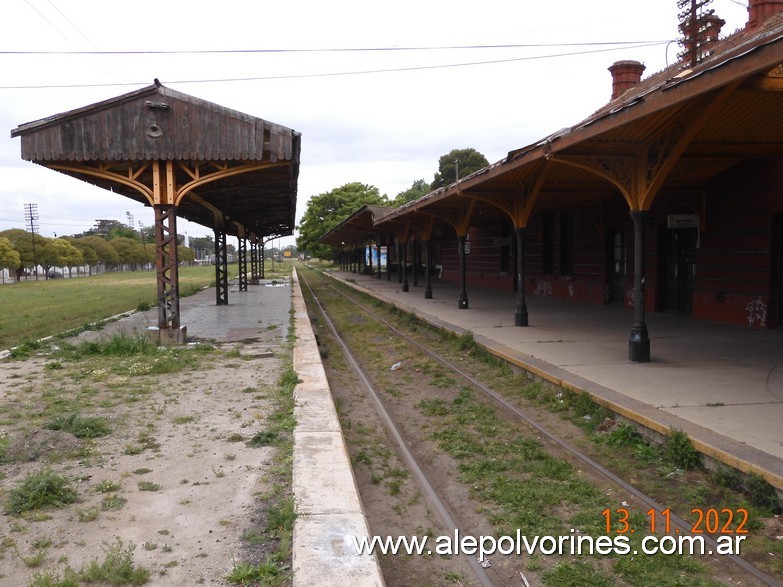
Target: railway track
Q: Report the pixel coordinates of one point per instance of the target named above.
(324, 296)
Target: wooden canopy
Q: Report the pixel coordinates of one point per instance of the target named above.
(358, 227)
(218, 167)
(671, 132)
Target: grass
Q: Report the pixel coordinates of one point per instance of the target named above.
(81, 427)
(117, 568)
(44, 489)
(36, 309)
(519, 485)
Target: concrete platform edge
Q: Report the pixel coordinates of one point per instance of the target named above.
(713, 445)
(329, 510)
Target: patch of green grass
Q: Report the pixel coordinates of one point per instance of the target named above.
(69, 578)
(84, 428)
(40, 490)
(117, 567)
(148, 486)
(113, 502)
(183, 420)
(246, 574)
(576, 574)
(680, 452)
(262, 438)
(107, 486)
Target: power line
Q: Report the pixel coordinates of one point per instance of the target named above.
(340, 73)
(336, 49)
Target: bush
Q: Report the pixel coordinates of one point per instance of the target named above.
(81, 427)
(680, 452)
(762, 494)
(40, 490)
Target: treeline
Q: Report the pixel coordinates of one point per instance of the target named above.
(22, 252)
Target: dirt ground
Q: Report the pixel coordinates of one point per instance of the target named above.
(183, 436)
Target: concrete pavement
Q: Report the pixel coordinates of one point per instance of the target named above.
(721, 384)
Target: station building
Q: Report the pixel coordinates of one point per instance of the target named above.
(667, 199)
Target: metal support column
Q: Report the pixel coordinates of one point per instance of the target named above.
(415, 255)
(462, 303)
(520, 315)
(428, 271)
(254, 262)
(404, 267)
(368, 255)
(639, 341)
(221, 267)
(398, 258)
(242, 257)
(378, 249)
(166, 263)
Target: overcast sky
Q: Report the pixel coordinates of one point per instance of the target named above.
(385, 128)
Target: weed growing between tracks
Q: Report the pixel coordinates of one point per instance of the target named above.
(515, 481)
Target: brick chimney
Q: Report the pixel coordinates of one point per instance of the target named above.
(713, 25)
(761, 10)
(625, 75)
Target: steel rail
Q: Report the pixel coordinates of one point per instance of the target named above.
(410, 460)
(676, 520)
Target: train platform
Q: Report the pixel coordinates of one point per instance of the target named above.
(721, 384)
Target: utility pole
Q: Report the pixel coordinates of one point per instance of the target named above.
(31, 218)
(130, 219)
(693, 25)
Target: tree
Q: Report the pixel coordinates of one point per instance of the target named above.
(59, 252)
(22, 242)
(106, 253)
(419, 189)
(468, 161)
(9, 258)
(89, 255)
(327, 210)
(185, 254)
(129, 251)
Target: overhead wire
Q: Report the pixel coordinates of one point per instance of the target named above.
(344, 73)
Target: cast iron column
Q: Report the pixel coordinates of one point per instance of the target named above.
(221, 268)
(427, 272)
(520, 315)
(398, 255)
(166, 263)
(378, 248)
(242, 257)
(462, 304)
(415, 262)
(639, 341)
(405, 267)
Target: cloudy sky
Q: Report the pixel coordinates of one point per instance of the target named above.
(379, 90)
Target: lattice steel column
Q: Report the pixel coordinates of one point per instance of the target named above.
(242, 252)
(166, 264)
(221, 268)
(254, 262)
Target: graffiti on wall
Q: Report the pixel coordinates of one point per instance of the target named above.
(756, 311)
(543, 288)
